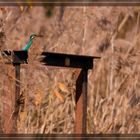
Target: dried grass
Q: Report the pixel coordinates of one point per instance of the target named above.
(49, 94)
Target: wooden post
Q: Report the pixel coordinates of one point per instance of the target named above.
(74, 61)
(17, 95)
(18, 57)
(81, 103)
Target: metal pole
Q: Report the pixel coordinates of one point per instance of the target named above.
(17, 95)
(81, 103)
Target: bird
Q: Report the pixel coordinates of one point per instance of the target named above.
(30, 42)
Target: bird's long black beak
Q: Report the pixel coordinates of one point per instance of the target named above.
(38, 35)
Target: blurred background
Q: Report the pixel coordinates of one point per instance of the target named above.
(49, 93)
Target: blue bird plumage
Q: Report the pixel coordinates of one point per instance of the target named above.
(30, 42)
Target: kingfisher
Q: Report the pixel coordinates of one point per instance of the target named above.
(30, 42)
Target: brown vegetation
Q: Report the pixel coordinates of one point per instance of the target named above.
(111, 32)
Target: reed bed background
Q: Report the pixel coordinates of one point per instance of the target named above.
(49, 93)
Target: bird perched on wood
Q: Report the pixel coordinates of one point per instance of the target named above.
(30, 42)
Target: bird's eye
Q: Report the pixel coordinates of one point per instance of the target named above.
(32, 37)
